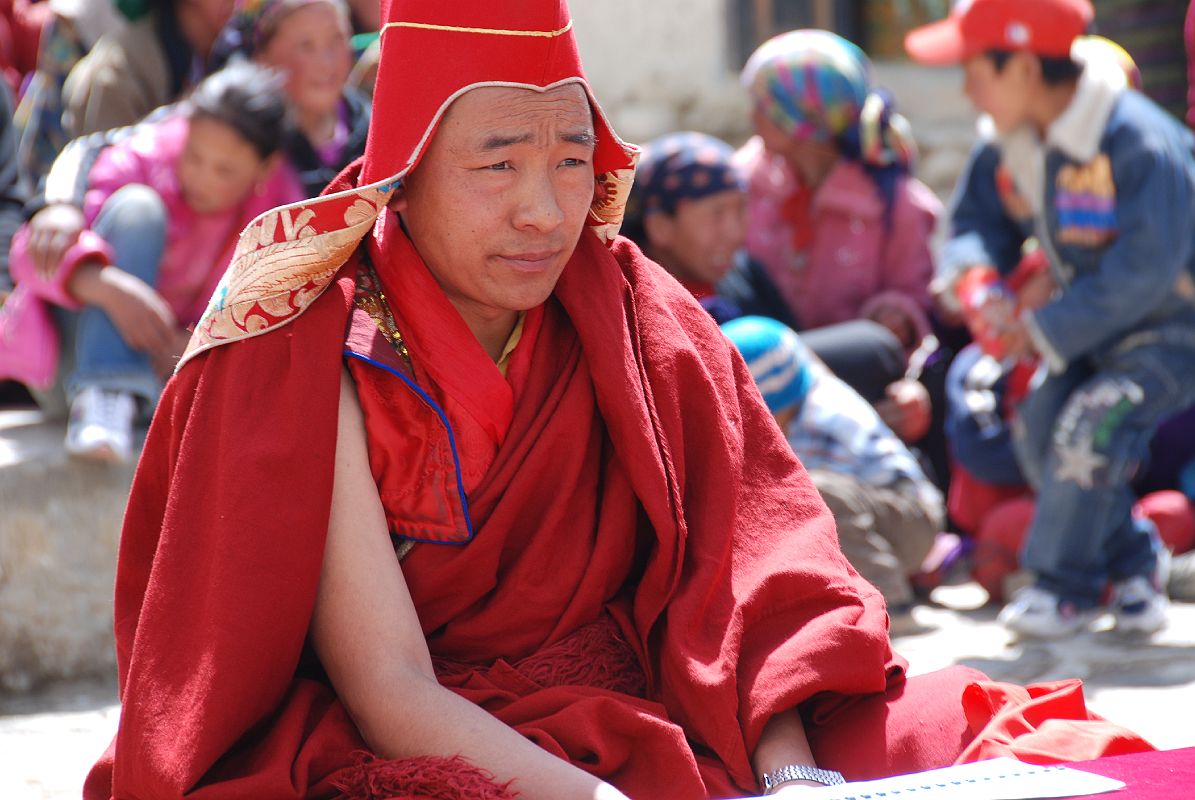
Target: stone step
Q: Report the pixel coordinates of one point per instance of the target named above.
(59, 528)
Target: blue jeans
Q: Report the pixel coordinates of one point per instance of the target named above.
(133, 222)
(1081, 437)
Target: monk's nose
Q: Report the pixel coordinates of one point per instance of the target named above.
(537, 205)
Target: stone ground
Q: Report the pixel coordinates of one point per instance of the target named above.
(49, 739)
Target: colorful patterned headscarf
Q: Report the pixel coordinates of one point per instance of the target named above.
(681, 166)
(816, 85)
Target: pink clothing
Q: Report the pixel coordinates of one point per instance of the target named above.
(198, 246)
(858, 260)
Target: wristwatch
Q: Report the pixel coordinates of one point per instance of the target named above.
(799, 772)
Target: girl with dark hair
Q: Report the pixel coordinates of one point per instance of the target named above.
(163, 207)
(307, 41)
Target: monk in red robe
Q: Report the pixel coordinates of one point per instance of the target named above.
(455, 494)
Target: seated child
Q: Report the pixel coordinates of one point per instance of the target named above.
(887, 511)
(164, 208)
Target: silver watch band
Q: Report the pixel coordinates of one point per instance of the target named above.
(799, 772)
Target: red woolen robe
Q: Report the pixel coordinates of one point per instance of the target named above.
(640, 501)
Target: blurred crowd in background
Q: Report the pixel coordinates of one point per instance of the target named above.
(140, 136)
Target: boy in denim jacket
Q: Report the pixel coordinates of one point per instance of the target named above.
(1106, 181)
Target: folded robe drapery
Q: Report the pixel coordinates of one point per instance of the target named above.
(745, 602)
(742, 604)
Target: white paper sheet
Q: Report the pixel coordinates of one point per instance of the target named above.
(997, 779)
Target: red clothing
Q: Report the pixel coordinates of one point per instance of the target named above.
(473, 601)
(21, 26)
(728, 627)
(646, 622)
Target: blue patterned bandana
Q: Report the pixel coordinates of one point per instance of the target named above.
(681, 166)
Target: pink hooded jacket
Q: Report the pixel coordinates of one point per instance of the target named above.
(198, 247)
(859, 261)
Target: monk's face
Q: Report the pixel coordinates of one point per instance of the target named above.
(497, 204)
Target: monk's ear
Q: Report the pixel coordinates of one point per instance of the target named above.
(398, 200)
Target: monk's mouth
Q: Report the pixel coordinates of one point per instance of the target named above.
(530, 262)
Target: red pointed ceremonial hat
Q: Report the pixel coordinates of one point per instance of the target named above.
(434, 52)
(431, 53)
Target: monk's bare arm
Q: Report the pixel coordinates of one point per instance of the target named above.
(783, 742)
(368, 637)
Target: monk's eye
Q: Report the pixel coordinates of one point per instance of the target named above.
(573, 162)
(501, 166)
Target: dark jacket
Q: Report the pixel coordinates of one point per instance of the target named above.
(749, 289)
(1117, 203)
(313, 173)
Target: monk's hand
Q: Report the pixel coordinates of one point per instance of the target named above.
(52, 231)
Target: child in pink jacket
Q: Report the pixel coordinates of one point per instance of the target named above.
(164, 207)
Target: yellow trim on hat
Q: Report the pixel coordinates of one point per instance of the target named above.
(489, 31)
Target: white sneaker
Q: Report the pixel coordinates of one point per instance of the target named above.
(101, 425)
(1040, 613)
(1139, 606)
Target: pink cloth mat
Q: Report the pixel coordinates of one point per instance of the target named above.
(1161, 775)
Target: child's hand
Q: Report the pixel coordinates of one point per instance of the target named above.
(52, 231)
(140, 314)
(906, 410)
(164, 363)
(897, 320)
(1036, 291)
(1031, 280)
(1016, 342)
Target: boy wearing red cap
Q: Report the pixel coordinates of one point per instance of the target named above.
(1106, 181)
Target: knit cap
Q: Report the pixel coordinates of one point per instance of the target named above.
(777, 358)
